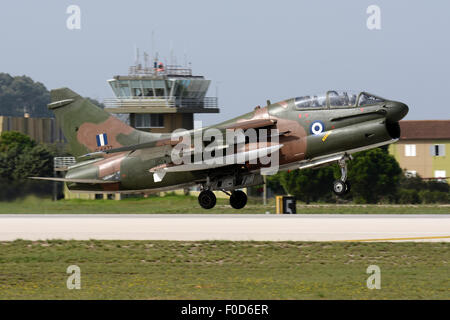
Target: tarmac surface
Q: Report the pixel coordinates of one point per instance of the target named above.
(258, 227)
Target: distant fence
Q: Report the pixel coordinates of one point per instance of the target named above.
(63, 163)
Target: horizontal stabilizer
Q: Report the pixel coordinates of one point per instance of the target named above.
(73, 180)
(145, 145)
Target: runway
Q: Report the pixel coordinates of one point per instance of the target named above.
(258, 227)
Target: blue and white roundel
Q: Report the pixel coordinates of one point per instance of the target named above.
(317, 127)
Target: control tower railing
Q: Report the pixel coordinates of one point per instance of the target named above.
(169, 70)
(171, 102)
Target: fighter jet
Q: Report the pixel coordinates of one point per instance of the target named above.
(303, 132)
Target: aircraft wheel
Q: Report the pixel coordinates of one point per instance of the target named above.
(340, 187)
(238, 199)
(207, 199)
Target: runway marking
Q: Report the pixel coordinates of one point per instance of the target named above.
(393, 239)
(387, 228)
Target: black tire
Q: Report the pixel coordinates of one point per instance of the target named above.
(207, 199)
(339, 188)
(238, 199)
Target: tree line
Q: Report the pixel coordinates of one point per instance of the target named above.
(374, 175)
(20, 158)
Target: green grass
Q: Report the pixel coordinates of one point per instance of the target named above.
(223, 270)
(189, 204)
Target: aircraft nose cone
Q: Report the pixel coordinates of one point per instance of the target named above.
(397, 111)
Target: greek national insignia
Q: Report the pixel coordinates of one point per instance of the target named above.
(102, 140)
(317, 127)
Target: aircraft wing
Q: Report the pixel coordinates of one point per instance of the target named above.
(160, 171)
(95, 181)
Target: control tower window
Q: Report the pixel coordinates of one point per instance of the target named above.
(124, 90)
(148, 92)
(136, 88)
(160, 88)
(137, 92)
(159, 92)
(145, 120)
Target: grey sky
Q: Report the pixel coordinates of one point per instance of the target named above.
(256, 50)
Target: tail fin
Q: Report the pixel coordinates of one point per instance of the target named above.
(89, 128)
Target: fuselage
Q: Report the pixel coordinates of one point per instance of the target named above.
(310, 127)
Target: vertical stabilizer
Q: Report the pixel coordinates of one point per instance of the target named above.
(89, 128)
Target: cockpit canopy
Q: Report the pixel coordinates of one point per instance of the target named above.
(337, 99)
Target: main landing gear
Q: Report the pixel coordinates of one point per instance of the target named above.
(238, 199)
(342, 186)
(207, 199)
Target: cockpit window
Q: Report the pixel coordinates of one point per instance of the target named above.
(337, 99)
(368, 99)
(342, 98)
(311, 102)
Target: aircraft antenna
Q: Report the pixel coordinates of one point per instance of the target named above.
(171, 52)
(153, 45)
(145, 61)
(137, 56)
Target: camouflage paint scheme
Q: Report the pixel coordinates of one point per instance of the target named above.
(135, 152)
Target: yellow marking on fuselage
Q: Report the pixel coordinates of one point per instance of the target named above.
(326, 136)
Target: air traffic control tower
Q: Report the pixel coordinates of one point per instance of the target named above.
(160, 98)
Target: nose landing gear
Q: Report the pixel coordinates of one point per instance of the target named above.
(342, 186)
